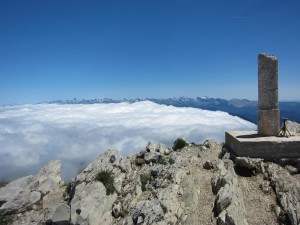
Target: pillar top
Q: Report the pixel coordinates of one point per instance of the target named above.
(266, 55)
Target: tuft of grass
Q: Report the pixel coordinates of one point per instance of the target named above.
(171, 161)
(68, 188)
(179, 144)
(144, 180)
(107, 179)
(161, 161)
(5, 219)
(3, 185)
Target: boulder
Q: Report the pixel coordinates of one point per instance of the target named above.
(287, 189)
(162, 148)
(93, 202)
(254, 164)
(224, 198)
(116, 211)
(23, 193)
(151, 146)
(61, 213)
(210, 144)
(147, 212)
(139, 161)
(229, 204)
(208, 165)
(152, 157)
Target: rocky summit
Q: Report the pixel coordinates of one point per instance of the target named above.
(187, 184)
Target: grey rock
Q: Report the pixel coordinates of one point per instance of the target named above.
(152, 157)
(203, 147)
(223, 177)
(141, 154)
(224, 198)
(254, 164)
(95, 205)
(229, 204)
(293, 126)
(35, 197)
(151, 146)
(139, 161)
(138, 217)
(162, 148)
(156, 171)
(78, 220)
(208, 165)
(287, 189)
(61, 213)
(265, 187)
(116, 211)
(112, 159)
(167, 151)
(147, 212)
(292, 170)
(101, 163)
(23, 193)
(210, 144)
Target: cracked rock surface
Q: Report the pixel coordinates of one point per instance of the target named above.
(198, 184)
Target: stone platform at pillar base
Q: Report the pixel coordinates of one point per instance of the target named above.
(251, 144)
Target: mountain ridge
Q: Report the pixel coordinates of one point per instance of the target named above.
(243, 108)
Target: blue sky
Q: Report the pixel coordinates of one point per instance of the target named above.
(62, 49)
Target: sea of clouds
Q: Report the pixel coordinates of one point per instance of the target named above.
(31, 135)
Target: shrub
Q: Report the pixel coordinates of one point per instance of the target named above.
(161, 161)
(5, 219)
(107, 179)
(171, 161)
(144, 180)
(179, 144)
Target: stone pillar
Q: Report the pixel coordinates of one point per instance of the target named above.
(268, 109)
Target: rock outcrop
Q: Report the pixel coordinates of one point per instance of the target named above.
(198, 184)
(287, 189)
(31, 198)
(229, 204)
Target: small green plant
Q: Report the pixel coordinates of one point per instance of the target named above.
(2, 185)
(273, 207)
(5, 219)
(161, 161)
(171, 161)
(68, 188)
(107, 179)
(144, 180)
(179, 144)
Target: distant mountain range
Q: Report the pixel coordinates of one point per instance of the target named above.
(243, 108)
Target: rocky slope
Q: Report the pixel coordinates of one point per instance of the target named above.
(197, 184)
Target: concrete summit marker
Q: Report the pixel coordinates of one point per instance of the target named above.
(264, 143)
(268, 110)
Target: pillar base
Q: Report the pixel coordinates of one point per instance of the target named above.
(268, 122)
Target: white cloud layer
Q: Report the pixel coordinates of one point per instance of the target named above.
(31, 135)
